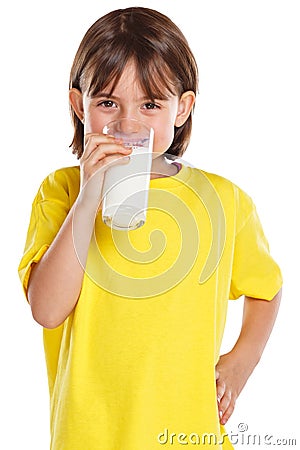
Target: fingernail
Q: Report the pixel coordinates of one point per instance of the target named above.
(220, 414)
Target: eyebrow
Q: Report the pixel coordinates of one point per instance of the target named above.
(105, 95)
(114, 97)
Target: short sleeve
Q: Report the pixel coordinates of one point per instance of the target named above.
(254, 271)
(49, 210)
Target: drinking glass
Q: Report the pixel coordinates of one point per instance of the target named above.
(126, 186)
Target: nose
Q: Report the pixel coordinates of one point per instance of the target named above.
(128, 125)
(128, 110)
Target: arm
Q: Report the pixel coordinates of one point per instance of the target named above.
(235, 367)
(55, 281)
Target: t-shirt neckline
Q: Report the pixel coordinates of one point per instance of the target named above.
(173, 180)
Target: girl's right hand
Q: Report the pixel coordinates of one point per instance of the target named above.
(100, 151)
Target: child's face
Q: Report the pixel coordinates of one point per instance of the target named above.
(128, 101)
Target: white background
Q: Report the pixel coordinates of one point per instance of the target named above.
(246, 128)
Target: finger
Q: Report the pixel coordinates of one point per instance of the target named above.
(110, 161)
(96, 136)
(101, 165)
(87, 136)
(217, 374)
(104, 150)
(224, 404)
(227, 413)
(220, 389)
(92, 141)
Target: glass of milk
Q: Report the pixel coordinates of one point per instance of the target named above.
(125, 187)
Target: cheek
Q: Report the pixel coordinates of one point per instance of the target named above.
(93, 123)
(164, 127)
(163, 138)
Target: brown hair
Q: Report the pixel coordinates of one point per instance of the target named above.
(159, 50)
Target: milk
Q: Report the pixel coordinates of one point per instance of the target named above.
(125, 191)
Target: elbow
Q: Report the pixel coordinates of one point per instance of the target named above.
(42, 315)
(45, 319)
(42, 309)
(48, 309)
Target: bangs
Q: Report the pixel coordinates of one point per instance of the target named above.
(156, 79)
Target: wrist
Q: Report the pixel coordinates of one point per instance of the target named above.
(86, 205)
(246, 355)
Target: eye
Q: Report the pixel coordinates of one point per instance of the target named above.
(150, 106)
(107, 104)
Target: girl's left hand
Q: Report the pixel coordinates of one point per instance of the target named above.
(231, 376)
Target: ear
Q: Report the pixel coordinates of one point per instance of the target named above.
(76, 101)
(185, 105)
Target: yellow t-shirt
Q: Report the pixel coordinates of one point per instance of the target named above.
(132, 367)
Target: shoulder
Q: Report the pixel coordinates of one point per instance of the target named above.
(218, 181)
(221, 184)
(60, 184)
(229, 192)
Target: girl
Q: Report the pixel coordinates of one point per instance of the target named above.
(132, 331)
